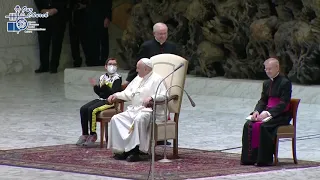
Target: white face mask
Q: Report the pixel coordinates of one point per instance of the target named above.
(111, 69)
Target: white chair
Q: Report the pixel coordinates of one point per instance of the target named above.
(164, 64)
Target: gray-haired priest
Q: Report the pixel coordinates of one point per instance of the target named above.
(130, 131)
(271, 111)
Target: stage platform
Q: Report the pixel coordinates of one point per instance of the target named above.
(43, 110)
(219, 86)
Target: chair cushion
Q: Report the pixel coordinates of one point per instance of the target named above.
(285, 130)
(171, 130)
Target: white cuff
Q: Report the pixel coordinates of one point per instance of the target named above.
(267, 113)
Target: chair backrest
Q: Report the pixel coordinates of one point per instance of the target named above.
(164, 64)
(294, 104)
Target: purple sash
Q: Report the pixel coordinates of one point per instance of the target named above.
(255, 140)
(273, 101)
(255, 137)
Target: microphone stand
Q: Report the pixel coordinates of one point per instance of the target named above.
(165, 159)
(154, 119)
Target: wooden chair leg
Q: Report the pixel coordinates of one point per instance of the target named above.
(294, 153)
(276, 151)
(175, 141)
(102, 124)
(175, 148)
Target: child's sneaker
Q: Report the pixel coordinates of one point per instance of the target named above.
(82, 139)
(90, 141)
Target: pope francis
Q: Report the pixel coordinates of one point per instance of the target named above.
(130, 131)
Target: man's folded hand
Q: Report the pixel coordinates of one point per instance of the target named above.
(255, 116)
(263, 115)
(43, 11)
(112, 98)
(147, 101)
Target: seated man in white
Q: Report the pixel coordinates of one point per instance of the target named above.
(130, 131)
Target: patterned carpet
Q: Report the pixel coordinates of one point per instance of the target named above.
(191, 164)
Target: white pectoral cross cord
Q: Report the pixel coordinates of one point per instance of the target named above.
(134, 94)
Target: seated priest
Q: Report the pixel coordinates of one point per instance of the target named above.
(108, 84)
(271, 111)
(130, 131)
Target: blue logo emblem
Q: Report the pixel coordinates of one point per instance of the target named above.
(18, 21)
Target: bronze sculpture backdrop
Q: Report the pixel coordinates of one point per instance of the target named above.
(232, 38)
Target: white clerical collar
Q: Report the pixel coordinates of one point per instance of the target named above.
(274, 77)
(147, 76)
(158, 41)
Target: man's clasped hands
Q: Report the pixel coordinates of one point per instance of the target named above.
(256, 116)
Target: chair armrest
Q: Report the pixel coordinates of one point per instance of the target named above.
(172, 97)
(118, 103)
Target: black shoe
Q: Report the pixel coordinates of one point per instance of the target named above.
(247, 163)
(122, 156)
(77, 64)
(41, 70)
(53, 71)
(264, 164)
(134, 158)
(142, 153)
(162, 143)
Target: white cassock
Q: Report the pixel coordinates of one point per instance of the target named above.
(119, 138)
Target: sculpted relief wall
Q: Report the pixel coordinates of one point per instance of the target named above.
(232, 38)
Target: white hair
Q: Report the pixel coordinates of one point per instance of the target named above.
(273, 61)
(158, 25)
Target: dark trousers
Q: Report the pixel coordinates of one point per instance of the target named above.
(98, 40)
(52, 36)
(88, 114)
(78, 36)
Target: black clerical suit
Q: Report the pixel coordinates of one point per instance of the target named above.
(275, 98)
(97, 11)
(151, 48)
(77, 30)
(53, 35)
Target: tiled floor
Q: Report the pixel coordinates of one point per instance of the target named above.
(40, 110)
